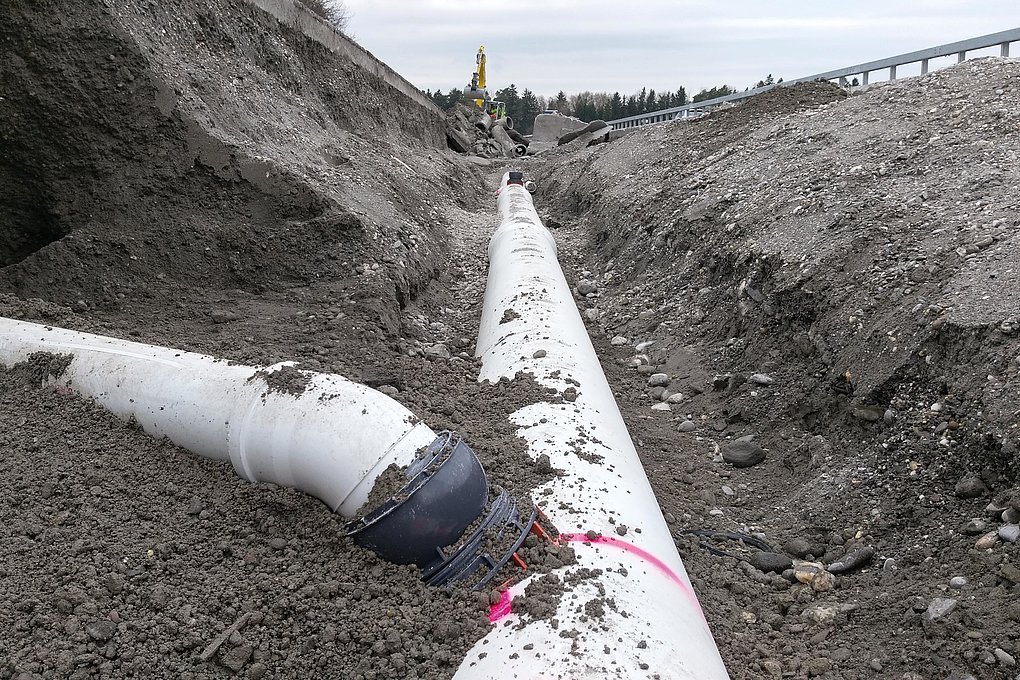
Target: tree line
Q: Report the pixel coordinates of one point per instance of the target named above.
(524, 106)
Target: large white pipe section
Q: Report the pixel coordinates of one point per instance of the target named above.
(330, 440)
(654, 626)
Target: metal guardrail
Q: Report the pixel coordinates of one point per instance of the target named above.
(960, 48)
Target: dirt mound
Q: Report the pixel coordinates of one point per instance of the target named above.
(824, 277)
(778, 101)
(234, 155)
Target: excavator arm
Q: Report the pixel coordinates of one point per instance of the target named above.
(476, 90)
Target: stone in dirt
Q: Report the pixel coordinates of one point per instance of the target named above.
(939, 608)
(688, 426)
(853, 560)
(970, 486)
(1010, 533)
(658, 380)
(771, 562)
(101, 630)
(743, 454)
(237, 657)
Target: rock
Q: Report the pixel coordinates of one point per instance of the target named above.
(437, 351)
(658, 380)
(823, 582)
(1010, 572)
(591, 315)
(661, 406)
(960, 675)
(195, 506)
(762, 379)
(220, 316)
(1003, 657)
(570, 394)
(853, 560)
(995, 509)
(114, 583)
(957, 582)
(743, 454)
(800, 547)
(256, 671)
(940, 607)
(1010, 533)
(817, 666)
(889, 417)
(543, 465)
(237, 657)
(618, 340)
(721, 382)
(975, 526)
(656, 393)
(102, 630)
(688, 426)
(675, 398)
(388, 390)
(970, 486)
(989, 540)
(771, 562)
(805, 572)
(539, 354)
(586, 287)
(728, 491)
(278, 543)
(867, 413)
(1011, 516)
(820, 614)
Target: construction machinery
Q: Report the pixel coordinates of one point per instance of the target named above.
(476, 89)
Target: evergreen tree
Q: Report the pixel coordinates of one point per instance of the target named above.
(617, 109)
(632, 105)
(562, 105)
(453, 96)
(720, 91)
(680, 97)
(530, 107)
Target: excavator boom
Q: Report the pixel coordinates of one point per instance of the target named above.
(476, 90)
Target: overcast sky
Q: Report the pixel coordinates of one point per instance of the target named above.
(576, 45)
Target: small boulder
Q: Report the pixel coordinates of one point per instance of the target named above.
(970, 486)
(771, 562)
(743, 454)
(658, 380)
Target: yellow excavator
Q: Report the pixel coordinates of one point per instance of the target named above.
(476, 90)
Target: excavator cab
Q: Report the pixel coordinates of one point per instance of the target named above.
(495, 110)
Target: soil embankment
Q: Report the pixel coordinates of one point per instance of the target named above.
(829, 279)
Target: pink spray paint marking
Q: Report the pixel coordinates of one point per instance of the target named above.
(643, 554)
(502, 608)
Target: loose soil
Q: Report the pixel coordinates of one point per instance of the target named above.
(198, 176)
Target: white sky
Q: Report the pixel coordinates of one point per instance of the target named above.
(576, 45)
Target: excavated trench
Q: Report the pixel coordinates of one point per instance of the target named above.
(228, 195)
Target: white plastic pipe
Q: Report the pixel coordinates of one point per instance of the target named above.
(601, 488)
(331, 440)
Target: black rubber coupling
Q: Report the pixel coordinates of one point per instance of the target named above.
(426, 522)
